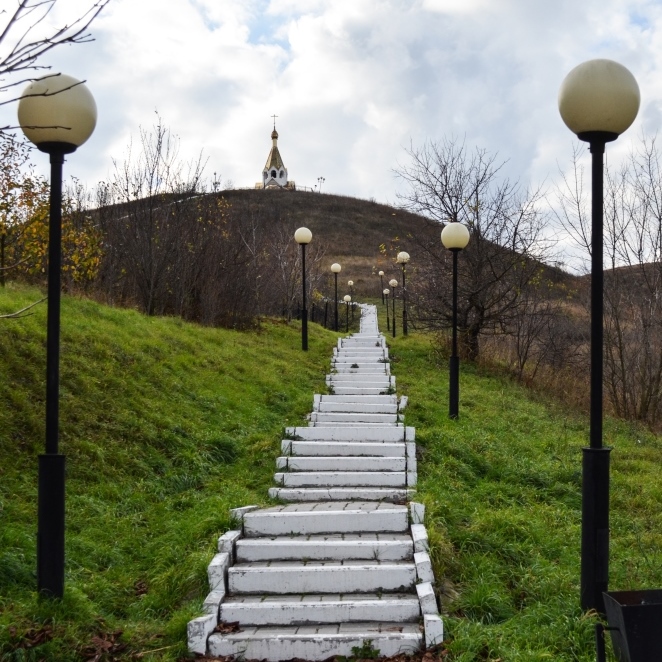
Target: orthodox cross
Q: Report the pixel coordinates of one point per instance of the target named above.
(274, 116)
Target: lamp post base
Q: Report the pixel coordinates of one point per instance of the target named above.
(595, 528)
(454, 386)
(50, 526)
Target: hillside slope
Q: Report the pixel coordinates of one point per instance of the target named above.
(165, 426)
(352, 230)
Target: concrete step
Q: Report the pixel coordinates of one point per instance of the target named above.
(341, 463)
(378, 433)
(358, 377)
(363, 399)
(327, 479)
(352, 417)
(369, 370)
(330, 547)
(327, 517)
(295, 494)
(342, 448)
(352, 391)
(354, 576)
(350, 424)
(357, 407)
(316, 642)
(320, 608)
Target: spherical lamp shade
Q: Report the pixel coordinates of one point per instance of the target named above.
(347, 298)
(303, 236)
(386, 291)
(57, 109)
(335, 267)
(599, 95)
(350, 283)
(403, 257)
(381, 273)
(393, 282)
(455, 236)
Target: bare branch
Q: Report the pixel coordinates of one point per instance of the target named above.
(22, 313)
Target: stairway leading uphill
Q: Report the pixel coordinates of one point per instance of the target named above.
(344, 563)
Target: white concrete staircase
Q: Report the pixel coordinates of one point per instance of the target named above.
(343, 560)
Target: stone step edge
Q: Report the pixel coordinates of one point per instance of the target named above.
(280, 643)
(303, 494)
(199, 629)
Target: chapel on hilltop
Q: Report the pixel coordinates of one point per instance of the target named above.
(274, 174)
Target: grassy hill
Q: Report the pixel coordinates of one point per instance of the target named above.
(166, 425)
(351, 229)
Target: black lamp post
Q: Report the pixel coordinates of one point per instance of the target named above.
(598, 101)
(335, 267)
(385, 296)
(381, 284)
(454, 237)
(393, 283)
(303, 237)
(58, 114)
(402, 259)
(347, 299)
(350, 284)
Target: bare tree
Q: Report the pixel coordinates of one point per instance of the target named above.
(448, 182)
(141, 212)
(633, 277)
(26, 37)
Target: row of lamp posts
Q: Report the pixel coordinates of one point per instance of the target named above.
(598, 101)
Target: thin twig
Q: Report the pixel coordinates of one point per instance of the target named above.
(19, 313)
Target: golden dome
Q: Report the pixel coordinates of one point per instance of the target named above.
(274, 134)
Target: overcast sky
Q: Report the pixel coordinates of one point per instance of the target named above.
(353, 82)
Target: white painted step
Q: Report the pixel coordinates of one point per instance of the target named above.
(296, 494)
(327, 517)
(357, 407)
(329, 547)
(316, 643)
(363, 399)
(360, 377)
(347, 434)
(342, 448)
(370, 366)
(353, 417)
(341, 479)
(350, 424)
(313, 609)
(353, 576)
(341, 463)
(351, 391)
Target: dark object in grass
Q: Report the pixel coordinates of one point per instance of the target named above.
(634, 619)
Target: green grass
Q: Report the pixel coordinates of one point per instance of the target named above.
(166, 426)
(501, 487)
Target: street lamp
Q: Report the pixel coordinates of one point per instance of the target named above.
(347, 299)
(402, 259)
(598, 101)
(303, 237)
(58, 114)
(454, 237)
(393, 283)
(335, 267)
(381, 284)
(385, 292)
